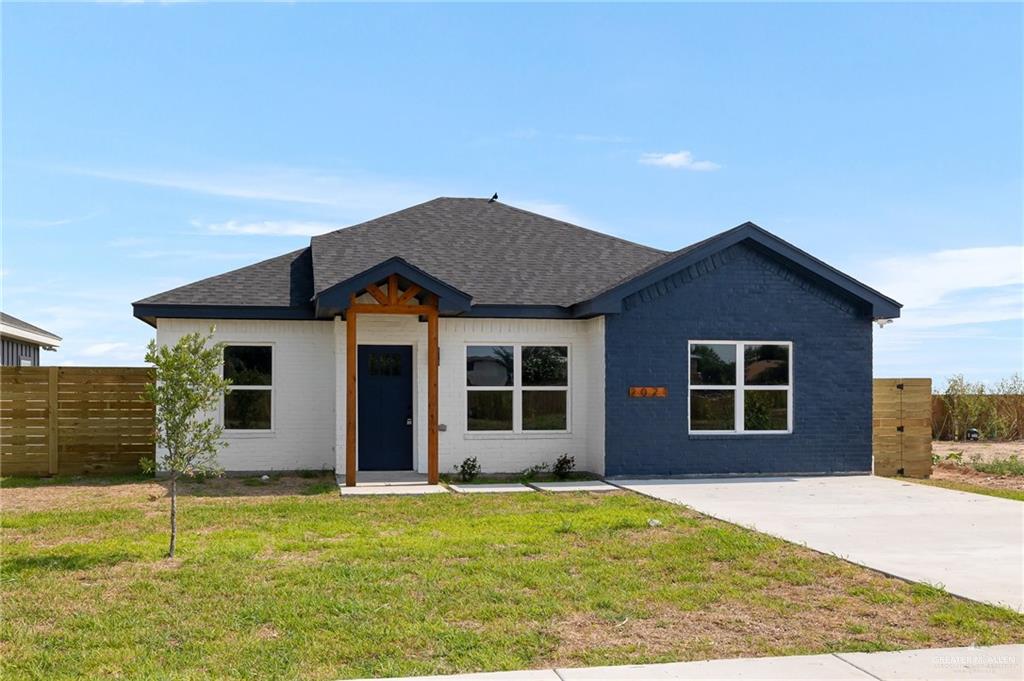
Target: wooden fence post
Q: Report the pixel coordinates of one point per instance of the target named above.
(53, 382)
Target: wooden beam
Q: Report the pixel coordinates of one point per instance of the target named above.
(432, 361)
(377, 294)
(391, 309)
(392, 289)
(408, 294)
(350, 398)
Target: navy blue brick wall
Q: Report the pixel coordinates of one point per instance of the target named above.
(738, 294)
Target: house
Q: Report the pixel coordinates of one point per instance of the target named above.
(20, 342)
(466, 327)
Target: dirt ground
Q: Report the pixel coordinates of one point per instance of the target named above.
(977, 451)
(967, 475)
(93, 493)
(985, 451)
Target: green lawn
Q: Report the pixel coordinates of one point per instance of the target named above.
(288, 580)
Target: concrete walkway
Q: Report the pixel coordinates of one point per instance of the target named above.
(371, 483)
(970, 544)
(994, 662)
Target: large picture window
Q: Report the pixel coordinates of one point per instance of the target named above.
(248, 402)
(517, 388)
(741, 387)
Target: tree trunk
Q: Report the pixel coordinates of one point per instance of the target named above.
(174, 514)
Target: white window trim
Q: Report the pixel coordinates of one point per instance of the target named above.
(517, 389)
(740, 388)
(253, 432)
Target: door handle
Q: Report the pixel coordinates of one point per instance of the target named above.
(408, 421)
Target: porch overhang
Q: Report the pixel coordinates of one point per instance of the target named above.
(335, 300)
(393, 287)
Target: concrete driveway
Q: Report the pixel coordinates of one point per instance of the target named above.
(967, 543)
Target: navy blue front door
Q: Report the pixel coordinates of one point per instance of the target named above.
(385, 407)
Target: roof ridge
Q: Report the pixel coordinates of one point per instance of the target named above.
(668, 257)
(378, 218)
(580, 227)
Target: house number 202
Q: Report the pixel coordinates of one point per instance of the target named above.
(648, 391)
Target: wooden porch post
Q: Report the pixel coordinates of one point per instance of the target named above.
(432, 361)
(350, 398)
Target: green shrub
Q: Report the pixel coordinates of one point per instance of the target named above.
(564, 466)
(533, 471)
(468, 469)
(1010, 466)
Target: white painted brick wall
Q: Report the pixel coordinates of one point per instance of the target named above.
(309, 361)
(303, 402)
(514, 452)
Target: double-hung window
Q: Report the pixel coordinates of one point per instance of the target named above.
(517, 388)
(248, 403)
(741, 387)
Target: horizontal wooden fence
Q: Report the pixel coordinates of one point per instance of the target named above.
(74, 420)
(902, 426)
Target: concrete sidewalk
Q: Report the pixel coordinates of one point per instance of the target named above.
(994, 662)
(970, 544)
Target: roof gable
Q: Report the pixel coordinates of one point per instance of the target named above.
(610, 299)
(334, 300)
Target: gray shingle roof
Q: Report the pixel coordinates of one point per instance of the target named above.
(498, 254)
(16, 323)
(495, 253)
(284, 281)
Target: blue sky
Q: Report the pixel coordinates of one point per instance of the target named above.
(148, 146)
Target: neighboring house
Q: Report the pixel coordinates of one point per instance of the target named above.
(20, 342)
(466, 327)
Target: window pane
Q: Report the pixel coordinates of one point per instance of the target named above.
(766, 364)
(247, 364)
(385, 364)
(713, 364)
(546, 365)
(544, 410)
(712, 410)
(247, 410)
(489, 365)
(765, 410)
(489, 410)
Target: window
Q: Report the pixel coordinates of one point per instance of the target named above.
(385, 364)
(248, 402)
(517, 388)
(741, 387)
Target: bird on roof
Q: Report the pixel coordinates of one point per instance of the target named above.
(493, 198)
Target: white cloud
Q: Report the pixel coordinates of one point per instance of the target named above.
(601, 139)
(679, 160)
(43, 224)
(100, 349)
(956, 286)
(558, 211)
(265, 228)
(130, 242)
(357, 195)
(524, 133)
(197, 254)
(963, 313)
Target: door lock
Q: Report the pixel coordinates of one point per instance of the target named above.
(408, 421)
